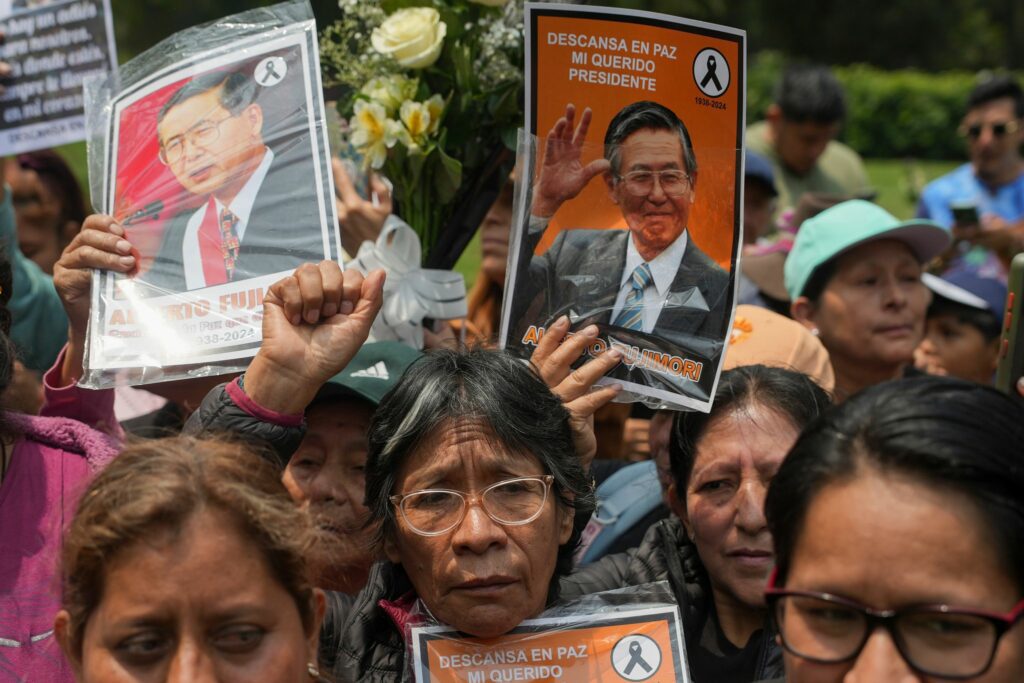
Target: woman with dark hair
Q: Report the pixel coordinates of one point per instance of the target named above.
(474, 477)
(474, 473)
(898, 522)
(716, 553)
(185, 561)
(854, 279)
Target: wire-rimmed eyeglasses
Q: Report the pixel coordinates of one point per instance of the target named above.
(641, 183)
(512, 502)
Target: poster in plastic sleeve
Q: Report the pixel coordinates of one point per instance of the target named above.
(636, 645)
(51, 46)
(211, 153)
(627, 212)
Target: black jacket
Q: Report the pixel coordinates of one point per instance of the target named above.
(358, 640)
(218, 414)
(667, 555)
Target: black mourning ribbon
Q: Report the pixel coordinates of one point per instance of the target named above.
(712, 74)
(271, 72)
(636, 654)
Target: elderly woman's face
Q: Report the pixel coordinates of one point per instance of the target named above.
(736, 459)
(873, 309)
(889, 542)
(481, 577)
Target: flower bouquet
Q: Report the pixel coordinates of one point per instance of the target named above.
(431, 94)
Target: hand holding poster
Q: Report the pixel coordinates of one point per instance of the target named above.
(52, 46)
(211, 153)
(629, 218)
(621, 635)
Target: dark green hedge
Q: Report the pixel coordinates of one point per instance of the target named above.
(891, 114)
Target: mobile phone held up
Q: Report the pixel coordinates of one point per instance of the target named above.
(1011, 345)
(965, 213)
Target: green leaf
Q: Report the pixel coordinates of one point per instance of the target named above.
(510, 137)
(504, 104)
(392, 6)
(447, 178)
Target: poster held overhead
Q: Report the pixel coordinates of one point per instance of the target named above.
(627, 212)
(211, 152)
(52, 46)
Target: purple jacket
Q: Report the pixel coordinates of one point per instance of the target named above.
(50, 467)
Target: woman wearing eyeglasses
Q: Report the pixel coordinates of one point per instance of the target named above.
(475, 471)
(898, 522)
(475, 479)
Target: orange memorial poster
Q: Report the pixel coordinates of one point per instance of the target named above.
(637, 645)
(628, 205)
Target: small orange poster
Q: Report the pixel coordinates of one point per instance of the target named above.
(628, 206)
(635, 645)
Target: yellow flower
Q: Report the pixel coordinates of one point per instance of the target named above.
(390, 91)
(435, 105)
(373, 133)
(412, 36)
(416, 117)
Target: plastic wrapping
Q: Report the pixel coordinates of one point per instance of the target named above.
(210, 149)
(628, 206)
(630, 634)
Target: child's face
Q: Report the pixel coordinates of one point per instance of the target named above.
(958, 349)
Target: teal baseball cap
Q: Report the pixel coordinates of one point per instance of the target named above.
(850, 224)
(374, 370)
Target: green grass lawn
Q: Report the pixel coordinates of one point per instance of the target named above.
(898, 181)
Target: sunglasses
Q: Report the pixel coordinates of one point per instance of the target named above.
(998, 129)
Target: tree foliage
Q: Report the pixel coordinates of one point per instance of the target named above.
(891, 34)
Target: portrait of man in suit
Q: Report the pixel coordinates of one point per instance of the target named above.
(649, 283)
(259, 213)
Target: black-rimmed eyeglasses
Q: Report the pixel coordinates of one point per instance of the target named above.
(934, 640)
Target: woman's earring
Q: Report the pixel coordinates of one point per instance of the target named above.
(314, 672)
(814, 331)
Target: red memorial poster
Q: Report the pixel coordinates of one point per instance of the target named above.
(629, 196)
(217, 166)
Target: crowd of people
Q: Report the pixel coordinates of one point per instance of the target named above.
(851, 508)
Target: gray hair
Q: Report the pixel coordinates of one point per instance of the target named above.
(492, 386)
(646, 115)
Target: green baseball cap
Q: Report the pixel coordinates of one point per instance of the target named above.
(374, 370)
(848, 225)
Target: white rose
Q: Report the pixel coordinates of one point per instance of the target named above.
(412, 36)
(491, 3)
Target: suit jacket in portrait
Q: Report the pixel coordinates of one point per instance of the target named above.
(284, 228)
(580, 275)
